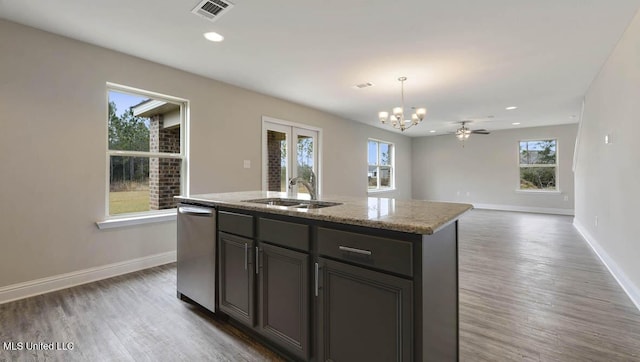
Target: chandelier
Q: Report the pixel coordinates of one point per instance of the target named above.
(397, 115)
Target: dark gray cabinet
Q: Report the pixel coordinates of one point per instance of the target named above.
(363, 315)
(283, 298)
(321, 291)
(237, 277)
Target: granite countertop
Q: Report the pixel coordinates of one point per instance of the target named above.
(410, 216)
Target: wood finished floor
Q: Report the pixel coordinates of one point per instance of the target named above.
(530, 290)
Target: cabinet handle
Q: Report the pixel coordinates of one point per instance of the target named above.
(354, 250)
(257, 251)
(316, 272)
(246, 256)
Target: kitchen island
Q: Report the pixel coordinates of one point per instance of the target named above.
(341, 279)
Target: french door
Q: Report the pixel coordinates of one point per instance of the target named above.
(288, 150)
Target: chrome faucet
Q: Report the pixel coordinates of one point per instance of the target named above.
(311, 185)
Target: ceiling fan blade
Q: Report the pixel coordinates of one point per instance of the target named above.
(480, 131)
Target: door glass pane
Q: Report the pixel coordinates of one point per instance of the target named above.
(277, 161)
(304, 160)
(385, 176)
(373, 177)
(385, 154)
(372, 152)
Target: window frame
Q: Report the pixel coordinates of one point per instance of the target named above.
(183, 155)
(556, 165)
(392, 166)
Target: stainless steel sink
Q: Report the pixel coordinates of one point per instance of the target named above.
(293, 203)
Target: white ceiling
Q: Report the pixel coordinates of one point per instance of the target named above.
(464, 59)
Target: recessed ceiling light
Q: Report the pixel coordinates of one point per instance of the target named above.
(213, 36)
(432, 131)
(515, 123)
(511, 108)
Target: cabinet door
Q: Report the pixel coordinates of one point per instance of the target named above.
(283, 315)
(363, 315)
(236, 255)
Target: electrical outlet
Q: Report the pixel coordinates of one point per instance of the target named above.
(468, 193)
(566, 198)
(247, 163)
(458, 193)
(607, 139)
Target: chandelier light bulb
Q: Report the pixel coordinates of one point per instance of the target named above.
(384, 117)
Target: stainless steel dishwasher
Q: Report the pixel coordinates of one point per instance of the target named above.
(197, 255)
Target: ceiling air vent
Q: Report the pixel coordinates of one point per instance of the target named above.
(363, 85)
(212, 9)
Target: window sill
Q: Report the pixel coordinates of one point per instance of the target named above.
(539, 192)
(380, 191)
(137, 219)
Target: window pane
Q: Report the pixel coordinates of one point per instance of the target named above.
(542, 152)
(373, 177)
(372, 152)
(277, 161)
(385, 154)
(538, 178)
(385, 177)
(304, 160)
(141, 184)
(137, 123)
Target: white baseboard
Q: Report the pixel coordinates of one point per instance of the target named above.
(537, 210)
(63, 281)
(632, 291)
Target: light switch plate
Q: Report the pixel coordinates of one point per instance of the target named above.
(247, 163)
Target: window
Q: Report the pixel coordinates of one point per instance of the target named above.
(380, 158)
(146, 160)
(289, 150)
(538, 165)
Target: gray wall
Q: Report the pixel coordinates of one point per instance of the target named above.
(52, 150)
(608, 175)
(487, 169)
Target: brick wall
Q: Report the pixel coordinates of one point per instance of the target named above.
(164, 173)
(274, 171)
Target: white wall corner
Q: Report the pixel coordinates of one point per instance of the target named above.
(536, 210)
(627, 285)
(63, 281)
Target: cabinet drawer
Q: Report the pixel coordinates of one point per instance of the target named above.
(382, 253)
(238, 224)
(288, 234)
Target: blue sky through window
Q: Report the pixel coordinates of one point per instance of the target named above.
(124, 101)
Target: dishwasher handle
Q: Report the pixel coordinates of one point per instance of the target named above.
(194, 210)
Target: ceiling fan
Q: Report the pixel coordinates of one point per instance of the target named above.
(464, 132)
